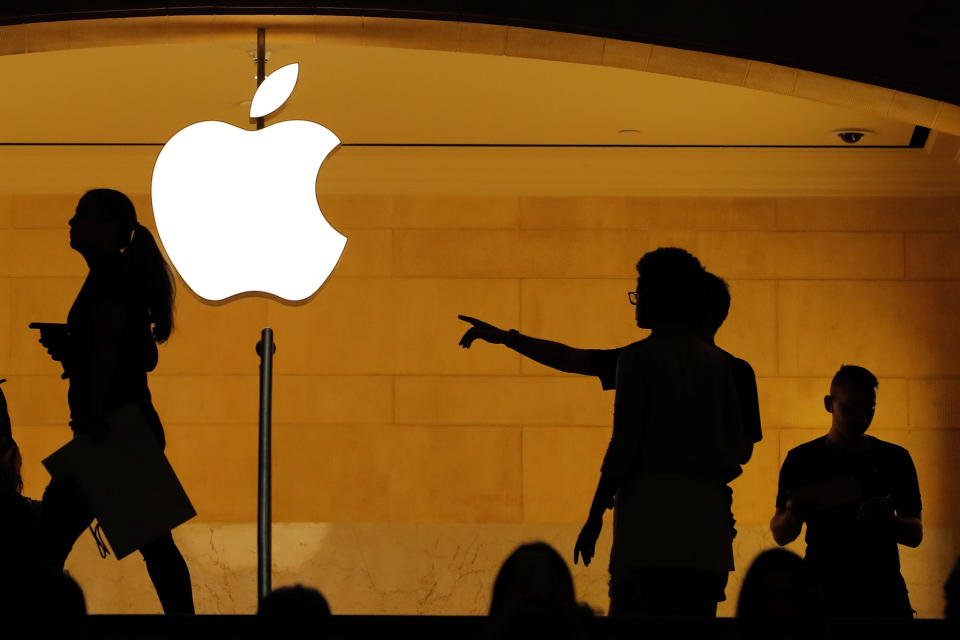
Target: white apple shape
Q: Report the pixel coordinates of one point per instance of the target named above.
(236, 210)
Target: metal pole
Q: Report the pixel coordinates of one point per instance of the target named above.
(261, 63)
(265, 349)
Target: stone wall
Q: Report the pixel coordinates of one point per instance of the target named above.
(406, 468)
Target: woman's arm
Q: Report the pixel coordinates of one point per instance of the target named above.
(109, 321)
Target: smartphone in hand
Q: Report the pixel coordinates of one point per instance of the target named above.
(53, 336)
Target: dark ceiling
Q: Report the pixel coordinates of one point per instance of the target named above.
(909, 45)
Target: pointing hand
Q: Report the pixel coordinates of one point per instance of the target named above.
(483, 331)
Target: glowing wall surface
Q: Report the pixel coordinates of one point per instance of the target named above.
(406, 469)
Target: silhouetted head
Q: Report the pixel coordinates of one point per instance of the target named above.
(289, 611)
(105, 222)
(778, 598)
(41, 602)
(852, 401)
(716, 305)
(533, 596)
(533, 574)
(11, 463)
(951, 593)
(669, 289)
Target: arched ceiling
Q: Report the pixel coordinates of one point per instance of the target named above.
(907, 46)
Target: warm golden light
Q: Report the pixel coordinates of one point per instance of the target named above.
(406, 469)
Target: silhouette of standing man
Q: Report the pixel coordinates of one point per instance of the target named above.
(123, 309)
(859, 497)
(675, 561)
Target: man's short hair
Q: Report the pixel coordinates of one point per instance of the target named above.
(672, 281)
(850, 375)
(716, 296)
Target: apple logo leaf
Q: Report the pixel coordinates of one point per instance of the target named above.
(274, 90)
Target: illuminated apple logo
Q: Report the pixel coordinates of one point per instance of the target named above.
(237, 211)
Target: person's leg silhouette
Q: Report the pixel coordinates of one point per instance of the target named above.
(64, 516)
(169, 573)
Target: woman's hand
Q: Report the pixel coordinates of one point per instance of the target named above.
(483, 331)
(54, 337)
(587, 540)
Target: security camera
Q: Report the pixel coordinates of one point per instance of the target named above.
(851, 136)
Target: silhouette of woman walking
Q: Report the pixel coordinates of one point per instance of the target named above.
(123, 309)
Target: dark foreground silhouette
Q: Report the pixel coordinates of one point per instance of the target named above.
(859, 498)
(685, 419)
(106, 347)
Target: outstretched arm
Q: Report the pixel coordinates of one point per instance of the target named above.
(551, 354)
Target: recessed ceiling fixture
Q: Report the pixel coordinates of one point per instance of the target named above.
(851, 135)
(629, 131)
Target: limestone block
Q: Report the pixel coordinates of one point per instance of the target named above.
(453, 212)
(936, 455)
(750, 330)
(907, 107)
(502, 400)
(111, 32)
(459, 563)
(531, 254)
(13, 39)
(926, 568)
(442, 35)
(833, 90)
(648, 212)
(206, 400)
(337, 473)
(490, 39)
(934, 404)
(36, 300)
(49, 36)
(553, 45)
(211, 338)
(339, 29)
(333, 399)
(401, 569)
(380, 326)
(40, 211)
(561, 467)
(699, 65)
(755, 492)
(825, 213)
(771, 77)
(368, 253)
(948, 118)
(37, 400)
(346, 212)
(895, 329)
(791, 403)
(33, 253)
(396, 474)
(932, 256)
(625, 54)
(217, 465)
(583, 313)
(774, 255)
(6, 211)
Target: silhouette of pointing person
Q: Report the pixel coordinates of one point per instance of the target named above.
(677, 440)
(123, 309)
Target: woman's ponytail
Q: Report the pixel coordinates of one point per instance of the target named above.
(145, 255)
(152, 270)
